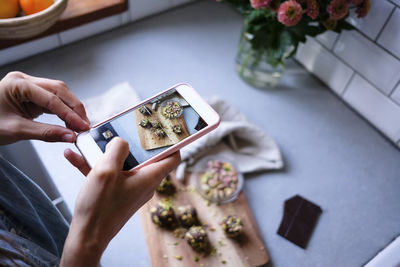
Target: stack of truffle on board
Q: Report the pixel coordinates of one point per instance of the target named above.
(184, 221)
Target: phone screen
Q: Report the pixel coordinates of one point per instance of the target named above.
(152, 127)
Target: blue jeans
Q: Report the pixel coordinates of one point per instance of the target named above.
(32, 230)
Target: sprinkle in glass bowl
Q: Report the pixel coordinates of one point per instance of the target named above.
(218, 180)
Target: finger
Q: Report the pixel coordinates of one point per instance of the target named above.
(155, 172)
(53, 103)
(27, 129)
(60, 89)
(117, 151)
(77, 161)
(31, 110)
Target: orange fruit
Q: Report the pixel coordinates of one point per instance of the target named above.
(33, 6)
(8, 8)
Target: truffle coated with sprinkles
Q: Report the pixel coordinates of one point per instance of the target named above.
(197, 238)
(232, 226)
(166, 187)
(163, 215)
(187, 216)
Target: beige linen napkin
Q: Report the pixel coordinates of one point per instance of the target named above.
(236, 139)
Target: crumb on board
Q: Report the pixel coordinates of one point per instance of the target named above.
(211, 228)
(223, 261)
(213, 251)
(220, 243)
(196, 258)
(176, 243)
(178, 257)
(165, 256)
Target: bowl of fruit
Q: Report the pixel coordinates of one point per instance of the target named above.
(20, 19)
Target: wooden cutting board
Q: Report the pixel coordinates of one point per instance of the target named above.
(163, 246)
(149, 140)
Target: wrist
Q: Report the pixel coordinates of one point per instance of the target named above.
(82, 247)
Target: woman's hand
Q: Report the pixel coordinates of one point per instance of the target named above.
(23, 98)
(107, 200)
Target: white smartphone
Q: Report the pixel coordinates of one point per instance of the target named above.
(154, 128)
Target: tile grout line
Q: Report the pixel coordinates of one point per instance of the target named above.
(336, 41)
(348, 65)
(348, 84)
(394, 3)
(394, 89)
(59, 40)
(362, 116)
(378, 45)
(384, 24)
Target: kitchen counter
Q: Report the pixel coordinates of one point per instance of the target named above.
(333, 157)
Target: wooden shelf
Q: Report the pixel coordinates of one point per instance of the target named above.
(77, 13)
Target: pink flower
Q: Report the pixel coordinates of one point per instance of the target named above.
(290, 13)
(337, 9)
(312, 9)
(259, 4)
(363, 9)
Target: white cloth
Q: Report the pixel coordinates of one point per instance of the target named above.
(236, 139)
(116, 99)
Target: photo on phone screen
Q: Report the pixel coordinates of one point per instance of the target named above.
(151, 128)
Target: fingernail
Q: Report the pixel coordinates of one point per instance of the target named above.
(68, 138)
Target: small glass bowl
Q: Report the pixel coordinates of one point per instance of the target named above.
(201, 168)
(164, 103)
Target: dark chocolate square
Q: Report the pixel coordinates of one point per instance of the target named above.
(299, 219)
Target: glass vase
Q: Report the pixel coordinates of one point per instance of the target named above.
(253, 65)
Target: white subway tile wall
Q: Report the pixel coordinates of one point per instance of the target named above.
(372, 24)
(324, 65)
(375, 106)
(138, 9)
(28, 49)
(368, 59)
(180, 2)
(372, 53)
(143, 8)
(89, 29)
(396, 94)
(390, 37)
(125, 17)
(328, 38)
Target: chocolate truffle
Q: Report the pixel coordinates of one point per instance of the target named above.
(166, 186)
(145, 111)
(187, 216)
(177, 129)
(163, 215)
(160, 133)
(232, 226)
(145, 123)
(197, 238)
(156, 125)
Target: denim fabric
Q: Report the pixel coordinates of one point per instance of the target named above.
(32, 230)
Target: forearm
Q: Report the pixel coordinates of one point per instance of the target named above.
(81, 248)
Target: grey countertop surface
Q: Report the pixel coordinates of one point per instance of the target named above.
(332, 156)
